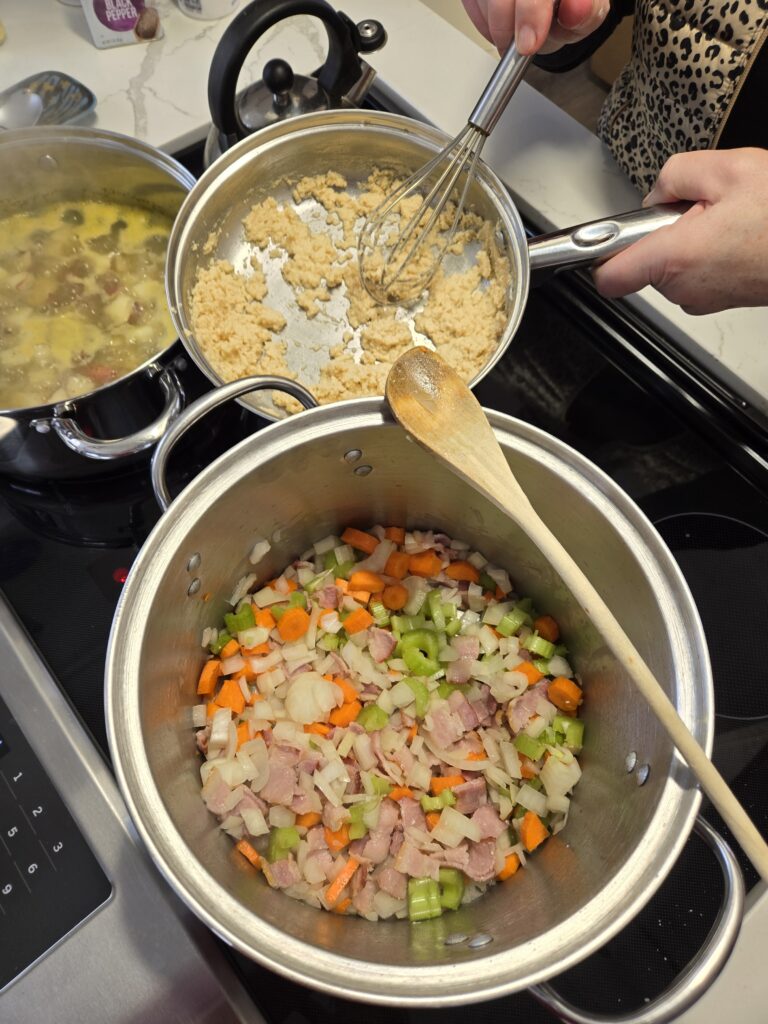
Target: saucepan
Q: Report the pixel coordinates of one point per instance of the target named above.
(209, 227)
(351, 463)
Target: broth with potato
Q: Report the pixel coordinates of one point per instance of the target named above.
(82, 298)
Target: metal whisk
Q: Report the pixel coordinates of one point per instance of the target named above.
(399, 251)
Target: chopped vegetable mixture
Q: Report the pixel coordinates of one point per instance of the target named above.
(387, 727)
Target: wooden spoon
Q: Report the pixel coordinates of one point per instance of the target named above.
(439, 411)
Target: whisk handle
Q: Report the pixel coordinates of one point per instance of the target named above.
(503, 82)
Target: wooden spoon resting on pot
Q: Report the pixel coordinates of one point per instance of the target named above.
(438, 410)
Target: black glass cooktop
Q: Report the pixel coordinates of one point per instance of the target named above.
(694, 467)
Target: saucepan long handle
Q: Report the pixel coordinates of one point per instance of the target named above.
(598, 240)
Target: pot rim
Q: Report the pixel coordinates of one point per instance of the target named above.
(475, 978)
(107, 140)
(254, 145)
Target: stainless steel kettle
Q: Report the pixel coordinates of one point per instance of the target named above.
(342, 81)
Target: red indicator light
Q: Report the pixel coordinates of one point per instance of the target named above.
(120, 575)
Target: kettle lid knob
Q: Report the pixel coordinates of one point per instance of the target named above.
(278, 77)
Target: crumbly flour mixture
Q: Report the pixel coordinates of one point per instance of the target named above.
(242, 329)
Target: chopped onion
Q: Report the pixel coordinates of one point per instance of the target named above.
(255, 822)
(475, 598)
(488, 639)
(363, 748)
(558, 666)
(297, 651)
(233, 826)
(242, 587)
(233, 664)
(559, 775)
(558, 804)
(253, 637)
(501, 578)
(267, 596)
(511, 760)
(310, 698)
(376, 561)
(454, 760)
(265, 663)
(532, 800)
(417, 588)
(535, 727)
(419, 776)
(326, 544)
(344, 553)
(281, 817)
(453, 827)
(220, 728)
(386, 905)
(210, 633)
(346, 743)
(401, 695)
(479, 561)
(494, 613)
(259, 549)
(200, 716)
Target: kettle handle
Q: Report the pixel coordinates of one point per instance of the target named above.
(340, 71)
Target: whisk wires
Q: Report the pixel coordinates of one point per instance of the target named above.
(395, 267)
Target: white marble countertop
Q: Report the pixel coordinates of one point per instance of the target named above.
(558, 171)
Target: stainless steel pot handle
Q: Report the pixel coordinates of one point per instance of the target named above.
(204, 405)
(67, 428)
(700, 973)
(598, 240)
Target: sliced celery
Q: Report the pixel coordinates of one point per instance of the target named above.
(423, 899)
(529, 746)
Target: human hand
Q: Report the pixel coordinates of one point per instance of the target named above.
(716, 256)
(529, 22)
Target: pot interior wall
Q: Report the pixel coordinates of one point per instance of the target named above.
(306, 490)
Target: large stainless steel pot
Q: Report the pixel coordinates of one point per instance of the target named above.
(115, 423)
(209, 226)
(351, 463)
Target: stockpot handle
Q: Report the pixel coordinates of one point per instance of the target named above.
(598, 240)
(104, 450)
(341, 69)
(700, 973)
(204, 405)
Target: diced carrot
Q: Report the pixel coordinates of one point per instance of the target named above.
(476, 755)
(359, 539)
(341, 584)
(231, 696)
(264, 618)
(256, 697)
(230, 649)
(244, 847)
(337, 840)
(346, 713)
(340, 882)
(432, 819)
(397, 565)
(258, 649)
(412, 732)
(394, 597)
(530, 671)
(357, 620)
(209, 676)
(395, 533)
(211, 708)
(425, 563)
(532, 831)
(499, 594)
(361, 596)
(564, 694)
(342, 906)
(370, 581)
(399, 792)
(309, 819)
(246, 673)
(526, 767)
(463, 571)
(350, 693)
(546, 626)
(511, 864)
(317, 729)
(293, 624)
(440, 782)
(243, 734)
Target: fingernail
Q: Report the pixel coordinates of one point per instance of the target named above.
(650, 199)
(526, 40)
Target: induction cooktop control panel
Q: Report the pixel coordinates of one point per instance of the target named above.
(50, 881)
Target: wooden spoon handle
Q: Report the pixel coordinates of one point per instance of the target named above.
(712, 782)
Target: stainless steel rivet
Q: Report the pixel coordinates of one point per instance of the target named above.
(455, 939)
(41, 426)
(194, 562)
(642, 774)
(363, 470)
(48, 162)
(479, 941)
(193, 587)
(630, 761)
(353, 455)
